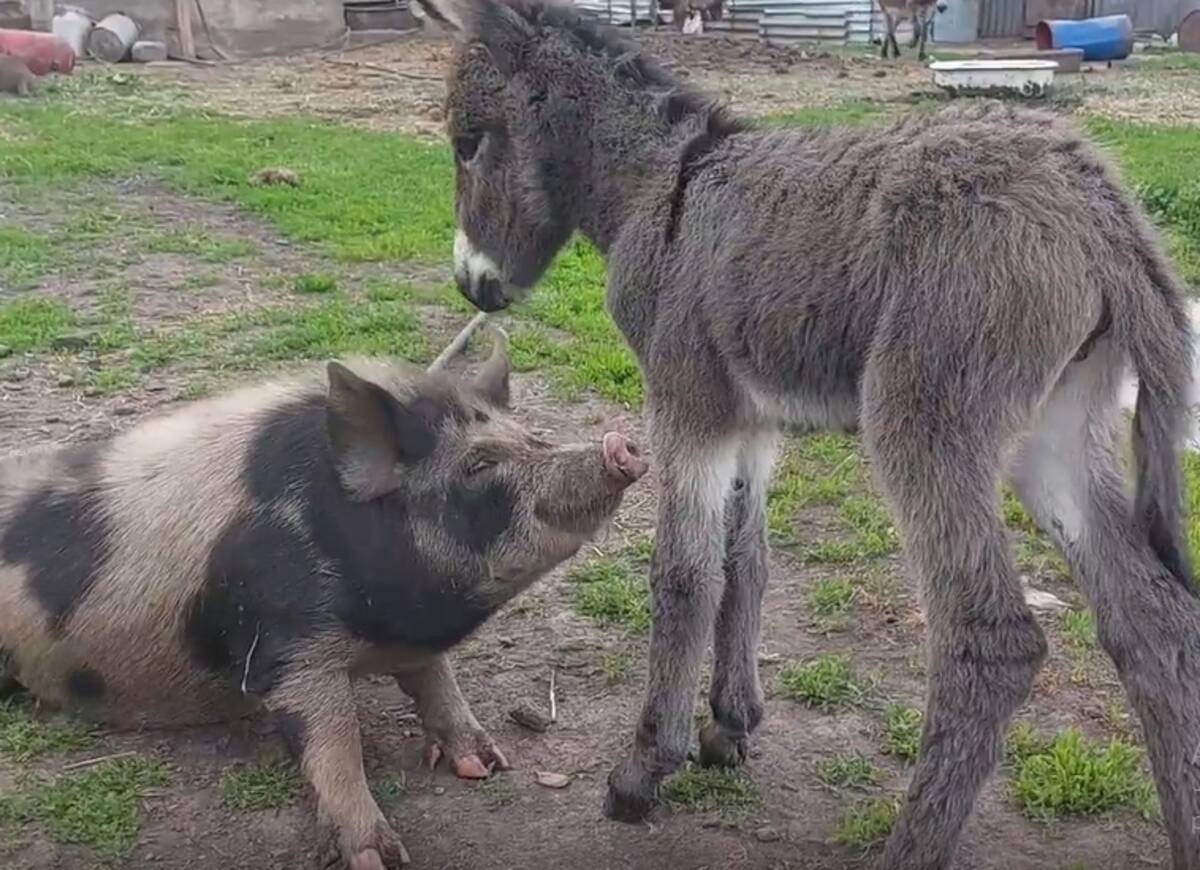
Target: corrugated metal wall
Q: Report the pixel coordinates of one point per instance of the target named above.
(1158, 16)
(1001, 18)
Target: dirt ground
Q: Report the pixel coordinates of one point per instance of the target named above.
(452, 824)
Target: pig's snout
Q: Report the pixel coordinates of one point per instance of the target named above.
(622, 459)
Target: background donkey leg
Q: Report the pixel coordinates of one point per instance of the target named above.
(685, 580)
(939, 465)
(736, 696)
(1069, 477)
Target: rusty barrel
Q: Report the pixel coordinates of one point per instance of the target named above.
(42, 52)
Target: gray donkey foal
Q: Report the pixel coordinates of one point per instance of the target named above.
(967, 289)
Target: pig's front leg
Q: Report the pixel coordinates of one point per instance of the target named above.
(450, 727)
(315, 711)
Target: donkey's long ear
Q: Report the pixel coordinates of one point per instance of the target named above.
(494, 23)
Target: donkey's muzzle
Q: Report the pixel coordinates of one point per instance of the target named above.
(485, 292)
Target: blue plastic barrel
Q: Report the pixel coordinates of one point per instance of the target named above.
(1107, 38)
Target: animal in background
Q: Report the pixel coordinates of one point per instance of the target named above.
(259, 550)
(15, 77)
(921, 13)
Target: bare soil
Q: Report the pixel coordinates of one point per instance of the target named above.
(447, 823)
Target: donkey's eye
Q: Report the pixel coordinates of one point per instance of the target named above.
(480, 464)
(466, 147)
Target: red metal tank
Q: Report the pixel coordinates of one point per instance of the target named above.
(42, 52)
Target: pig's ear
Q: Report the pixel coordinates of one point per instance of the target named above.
(371, 433)
(492, 380)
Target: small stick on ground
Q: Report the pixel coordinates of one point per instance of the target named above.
(553, 700)
(92, 762)
(383, 70)
(460, 341)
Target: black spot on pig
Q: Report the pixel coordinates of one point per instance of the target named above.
(60, 536)
(476, 518)
(85, 685)
(383, 588)
(294, 731)
(262, 594)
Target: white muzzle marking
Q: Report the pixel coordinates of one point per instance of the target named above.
(471, 265)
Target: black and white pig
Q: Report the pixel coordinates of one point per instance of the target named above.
(262, 548)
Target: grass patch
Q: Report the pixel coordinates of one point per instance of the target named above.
(268, 785)
(23, 255)
(830, 602)
(846, 113)
(1190, 461)
(827, 682)
(24, 737)
(616, 667)
(867, 823)
(902, 732)
(829, 470)
(851, 770)
(732, 794)
(612, 590)
(499, 791)
(389, 788)
(32, 324)
(314, 283)
(98, 808)
(1078, 629)
(196, 242)
(1071, 776)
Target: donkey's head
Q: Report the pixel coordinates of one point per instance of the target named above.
(535, 92)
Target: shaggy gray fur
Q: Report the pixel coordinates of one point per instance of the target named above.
(966, 289)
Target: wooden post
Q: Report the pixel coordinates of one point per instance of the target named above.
(183, 20)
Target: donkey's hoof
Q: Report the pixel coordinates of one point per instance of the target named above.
(631, 796)
(719, 748)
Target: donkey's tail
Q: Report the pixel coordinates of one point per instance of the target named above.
(1158, 337)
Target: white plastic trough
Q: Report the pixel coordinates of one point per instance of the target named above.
(1029, 78)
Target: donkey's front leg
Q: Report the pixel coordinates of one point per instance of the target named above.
(686, 580)
(736, 696)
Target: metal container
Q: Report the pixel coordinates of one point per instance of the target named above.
(113, 37)
(1107, 38)
(1028, 78)
(73, 27)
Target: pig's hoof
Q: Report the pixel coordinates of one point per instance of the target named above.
(631, 795)
(719, 748)
(387, 852)
(472, 757)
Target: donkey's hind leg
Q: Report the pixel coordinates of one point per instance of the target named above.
(695, 478)
(1069, 477)
(938, 454)
(736, 696)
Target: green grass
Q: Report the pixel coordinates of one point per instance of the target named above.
(846, 113)
(98, 808)
(732, 794)
(1078, 629)
(616, 667)
(23, 255)
(1190, 461)
(830, 602)
(827, 682)
(850, 770)
(499, 791)
(314, 283)
(613, 591)
(1072, 776)
(24, 737)
(902, 732)
(196, 242)
(32, 324)
(867, 823)
(389, 788)
(264, 785)
(829, 471)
